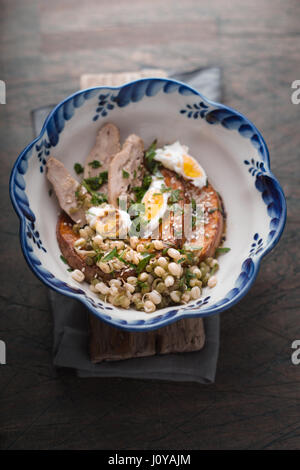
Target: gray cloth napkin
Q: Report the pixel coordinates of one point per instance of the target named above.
(71, 319)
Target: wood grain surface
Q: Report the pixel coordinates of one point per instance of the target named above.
(255, 402)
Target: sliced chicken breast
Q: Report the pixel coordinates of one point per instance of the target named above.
(106, 146)
(126, 169)
(65, 187)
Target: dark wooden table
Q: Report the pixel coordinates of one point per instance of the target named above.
(255, 402)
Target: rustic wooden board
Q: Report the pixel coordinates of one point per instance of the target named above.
(110, 344)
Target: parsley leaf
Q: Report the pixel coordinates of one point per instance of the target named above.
(95, 164)
(150, 153)
(78, 168)
(125, 174)
(95, 182)
(141, 190)
(175, 196)
(63, 259)
(98, 198)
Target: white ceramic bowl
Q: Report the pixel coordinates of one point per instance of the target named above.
(228, 146)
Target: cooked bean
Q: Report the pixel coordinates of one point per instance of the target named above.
(129, 287)
(174, 253)
(195, 292)
(149, 306)
(174, 269)
(161, 287)
(212, 281)
(159, 271)
(133, 242)
(169, 281)
(132, 280)
(102, 288)
(163, 262)
(104, 267)
(155, 297)
(175, 295)
(77, 275)
(143, 277)
(158, 244)
(115, 282)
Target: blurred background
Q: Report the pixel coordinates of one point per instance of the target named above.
(44, 48)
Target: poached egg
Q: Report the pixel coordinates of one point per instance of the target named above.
(176, 157)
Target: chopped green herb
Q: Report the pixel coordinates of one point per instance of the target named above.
(214, 269)
(120, 258)
(143, 263)
(165, 189)
(112, 254)
(175, 196)
(188, 276)
(63, 259)
(95, 164)
(194, 208)
(181, 260)
(125, 174)
(147, 180)
(95, 182)
(211, 211)
(78, 168)
(141, 190)
(222, 250)
(134, 174)
(69, 270)
(98, 257)
(150, 153)
(98, 198)
(141, 284)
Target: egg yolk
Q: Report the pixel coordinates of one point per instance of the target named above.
(191, 168)
(153, 204)
(108, 226)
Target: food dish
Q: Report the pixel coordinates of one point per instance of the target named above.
(144, 225)
(233, 154)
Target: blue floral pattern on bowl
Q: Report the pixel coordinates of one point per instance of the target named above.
(196, 107)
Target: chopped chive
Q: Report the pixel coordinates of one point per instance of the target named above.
(143, 263)
(222, 250)
(110, 255)
(63, 259)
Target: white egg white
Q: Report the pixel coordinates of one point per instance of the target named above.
(156, 187)
(172, 157)
(98, 216)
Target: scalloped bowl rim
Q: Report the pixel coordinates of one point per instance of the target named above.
(202, 312)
